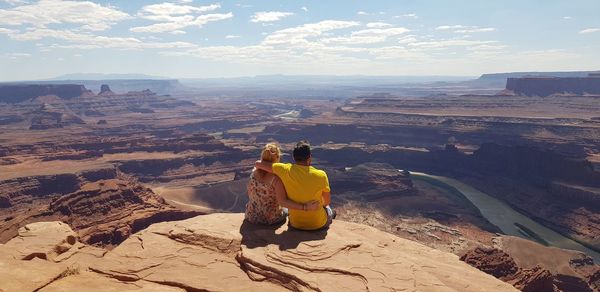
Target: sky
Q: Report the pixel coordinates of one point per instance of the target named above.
(205, 39)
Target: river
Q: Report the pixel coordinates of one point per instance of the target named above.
(506, 218)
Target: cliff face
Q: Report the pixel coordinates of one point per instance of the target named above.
(18, 93)
(221, 252)
(533, 86)
(530, 266)
(533, 164)
(103, 206)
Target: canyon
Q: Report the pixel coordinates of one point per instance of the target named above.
(119, 167)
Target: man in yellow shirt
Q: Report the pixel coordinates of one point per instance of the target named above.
(305, 185)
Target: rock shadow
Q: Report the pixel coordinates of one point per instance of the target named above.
(256, 235)
(291, 238)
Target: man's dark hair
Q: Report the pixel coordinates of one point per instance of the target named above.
(302, 151)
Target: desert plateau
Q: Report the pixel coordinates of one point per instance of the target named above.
(490, 178)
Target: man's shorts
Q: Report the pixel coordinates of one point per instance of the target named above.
(330, 216)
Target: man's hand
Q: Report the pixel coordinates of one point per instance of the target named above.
(326, 198)
(312, 205)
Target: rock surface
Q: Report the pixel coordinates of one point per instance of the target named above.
(492, 261)
(221, 252)
(532, 267)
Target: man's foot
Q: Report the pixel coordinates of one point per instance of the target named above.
(334, 214)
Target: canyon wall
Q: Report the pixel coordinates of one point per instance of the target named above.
(545, 86)
(22, 92)
(103, 206)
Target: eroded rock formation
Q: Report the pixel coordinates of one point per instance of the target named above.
(221, 252)
(105, 90)
(533, 267)
(103, 206)
(22, 92)
(47, 117)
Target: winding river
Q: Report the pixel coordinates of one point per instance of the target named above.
(506, 218)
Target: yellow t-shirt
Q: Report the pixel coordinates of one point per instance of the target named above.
(303, 184)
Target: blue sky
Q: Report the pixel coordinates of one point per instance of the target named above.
(194, 38)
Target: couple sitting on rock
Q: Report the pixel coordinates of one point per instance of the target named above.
(276, 189)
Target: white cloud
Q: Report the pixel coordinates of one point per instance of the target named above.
(230, 36)
(443, 44)
(300, 33)
(475, 30)
(45, 12)
(378, 25)
(367, 36)
(304, 8)
(333, 46)
(15, 56)
(487, 47)
(85, 40)
(13, 2)
(155, 11)
(7, 31)
(465, 29)
(589, 30)
(174, 17)
(362, 13)
(296, 46)
(567, 17)
(183, 22)
(313, 44)
(269, 16)
(408, 15)
(408, 39)
(447, 27)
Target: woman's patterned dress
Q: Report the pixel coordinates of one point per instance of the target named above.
(262, 207)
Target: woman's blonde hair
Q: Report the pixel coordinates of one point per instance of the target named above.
(270, 153)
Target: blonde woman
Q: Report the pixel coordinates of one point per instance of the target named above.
(267, 194)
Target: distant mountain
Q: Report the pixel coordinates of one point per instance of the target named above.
(499, 79)
(101, 76)
(495, 76)
(315, 86)
(118, 86)
(316, 80)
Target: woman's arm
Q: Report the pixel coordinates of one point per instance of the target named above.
(283, 200)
